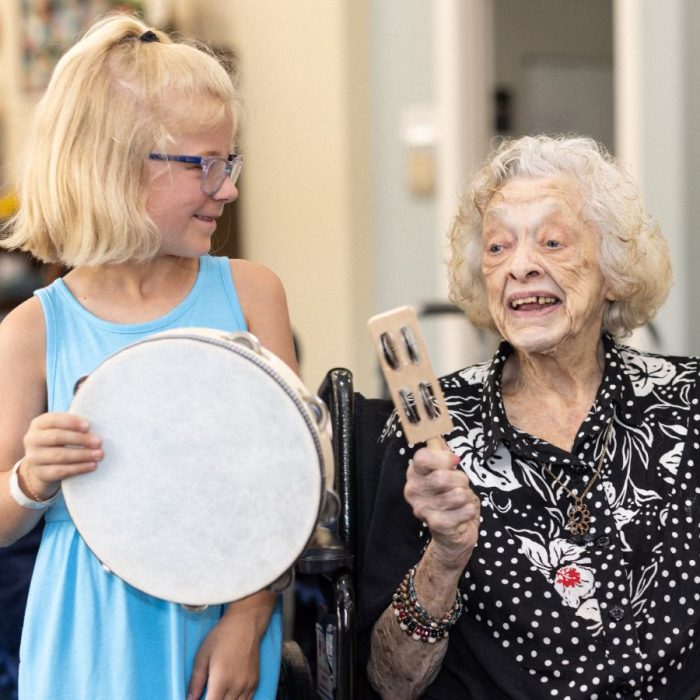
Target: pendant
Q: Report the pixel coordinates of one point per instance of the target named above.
(579, 518)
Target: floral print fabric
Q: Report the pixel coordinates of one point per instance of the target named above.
(614, 613)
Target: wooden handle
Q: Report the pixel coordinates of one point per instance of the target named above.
(435, 444)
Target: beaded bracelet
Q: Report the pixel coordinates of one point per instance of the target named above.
(415, 620)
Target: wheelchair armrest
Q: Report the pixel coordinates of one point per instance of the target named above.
(337, 391)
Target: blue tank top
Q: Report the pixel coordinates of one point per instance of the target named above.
(87, 634)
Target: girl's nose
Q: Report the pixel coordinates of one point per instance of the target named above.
(228, 191)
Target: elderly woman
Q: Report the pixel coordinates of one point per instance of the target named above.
(553, 549)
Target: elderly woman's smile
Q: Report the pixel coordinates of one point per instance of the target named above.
(529, 302)
(540, 265)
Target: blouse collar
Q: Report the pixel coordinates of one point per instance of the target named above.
(615, 393)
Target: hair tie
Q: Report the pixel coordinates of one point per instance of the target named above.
(148, 37)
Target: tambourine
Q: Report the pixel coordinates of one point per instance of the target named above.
(218, 464)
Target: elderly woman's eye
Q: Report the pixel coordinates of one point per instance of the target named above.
(495, 248)
(553, 244)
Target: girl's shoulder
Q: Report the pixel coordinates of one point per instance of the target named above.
(23, 337)
(264, 304)
(256, 284)
(249, 272)
(25, 323)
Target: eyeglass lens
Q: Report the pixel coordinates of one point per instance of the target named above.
(216, 174)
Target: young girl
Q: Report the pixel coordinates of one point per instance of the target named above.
(128, 168)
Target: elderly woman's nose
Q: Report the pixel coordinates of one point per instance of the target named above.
(523, 262)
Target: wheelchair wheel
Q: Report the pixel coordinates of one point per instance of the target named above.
(296, 681)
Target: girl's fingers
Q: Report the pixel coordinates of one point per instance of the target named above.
(62, 436)
(67, 421)
(53, 474)
(56, 456)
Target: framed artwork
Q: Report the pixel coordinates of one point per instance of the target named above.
(49, 27)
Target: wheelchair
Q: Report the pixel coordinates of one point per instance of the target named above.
(334, 559)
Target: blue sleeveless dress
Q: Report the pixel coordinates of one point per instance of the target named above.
(88, 635)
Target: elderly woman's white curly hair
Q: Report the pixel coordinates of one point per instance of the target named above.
(634, 257)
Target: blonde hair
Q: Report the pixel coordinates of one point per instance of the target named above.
(112, 99)
(633, 256)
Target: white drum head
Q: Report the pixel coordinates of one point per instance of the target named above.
(212, 478)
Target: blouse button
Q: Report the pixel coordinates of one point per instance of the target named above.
(603, 541)
(579, 469)
(616, 613)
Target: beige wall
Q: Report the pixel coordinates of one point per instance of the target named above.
(304, 199)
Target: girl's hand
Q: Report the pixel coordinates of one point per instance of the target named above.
(228, 662)
(57, 446)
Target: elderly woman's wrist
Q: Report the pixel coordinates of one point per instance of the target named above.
(435, 582)
(450, 560)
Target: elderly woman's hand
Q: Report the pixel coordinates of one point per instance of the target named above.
(440, 495)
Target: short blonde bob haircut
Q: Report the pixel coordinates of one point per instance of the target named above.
(112, 100)
(633, 257)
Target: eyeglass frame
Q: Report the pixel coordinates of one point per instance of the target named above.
(234, 161)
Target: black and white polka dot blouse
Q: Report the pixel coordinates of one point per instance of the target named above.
(612, 614)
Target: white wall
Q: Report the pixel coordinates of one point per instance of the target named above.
(654, 51)
(691, 81)
(401, 80)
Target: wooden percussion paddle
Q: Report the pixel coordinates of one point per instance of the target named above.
(409, 374)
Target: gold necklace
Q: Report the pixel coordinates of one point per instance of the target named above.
(579, 515)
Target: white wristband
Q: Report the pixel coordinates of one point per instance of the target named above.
(21, 498)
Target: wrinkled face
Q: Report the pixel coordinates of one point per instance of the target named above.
(185, 216)
(540, 263)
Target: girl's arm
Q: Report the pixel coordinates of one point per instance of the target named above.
(40, 440)
(264, 305)
(228, 662)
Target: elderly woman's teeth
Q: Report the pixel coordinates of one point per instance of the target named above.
(517, 303)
